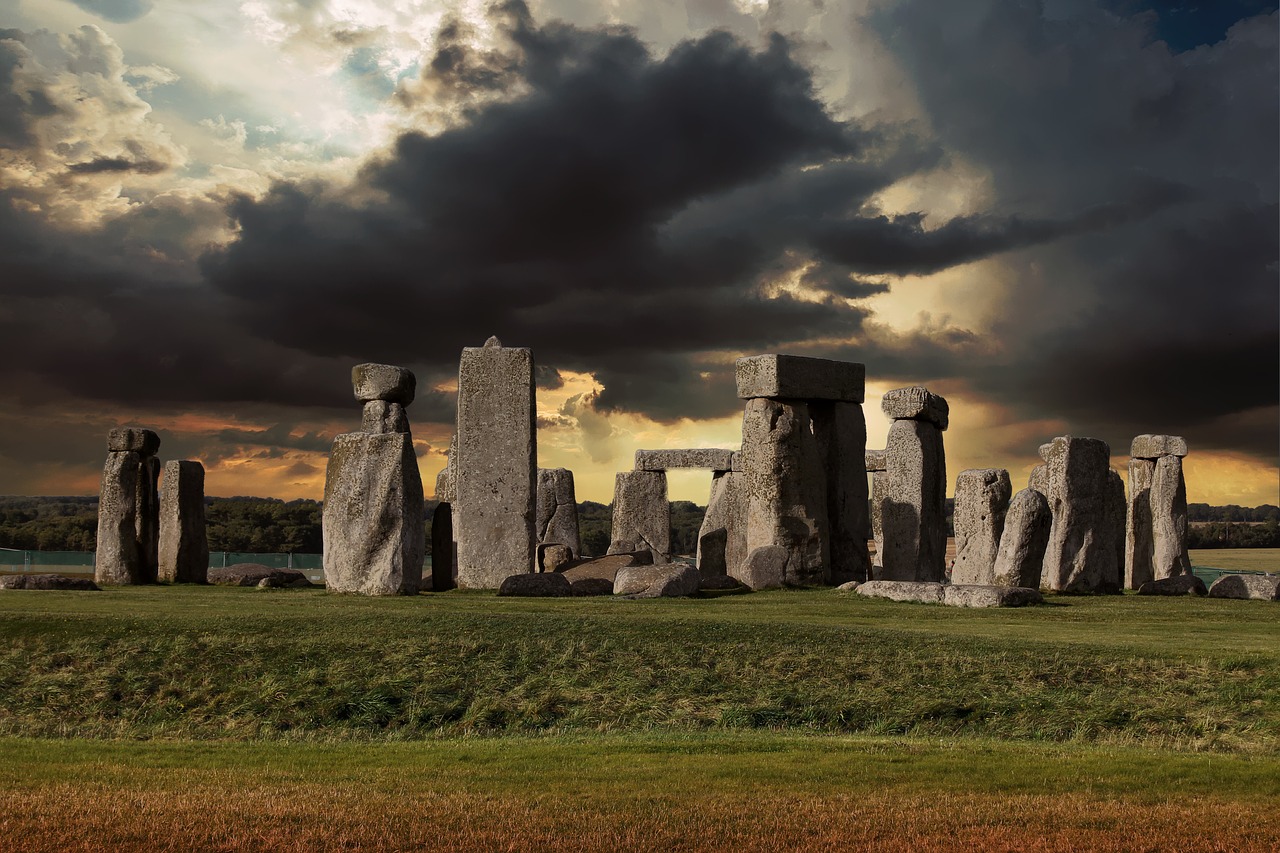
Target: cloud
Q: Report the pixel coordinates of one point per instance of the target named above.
(119, 11)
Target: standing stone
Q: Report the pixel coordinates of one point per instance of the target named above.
(1169, 519)
(1155, 446)
(876, 465)
(116, 561)
(383, 417)
(914, 508)
(1024, 540)
(184, 543)
(722, 539)
(1138, 547)
(447, 480)
(641, 515)
(841, 432)
(373, 515)
(496, 469)
(147, 520)
(786, 489)
(1081, 556)
(982, 500)
(444, 552)
(557, 520)
(1116, 510)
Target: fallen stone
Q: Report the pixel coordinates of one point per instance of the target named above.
(599, 568)
(381, 417)
(1139, 549)
(794, 377)
(641, 515)
(1081, 555)
(1257, 587)
(923, 592)
(981, 503)
(713, 459)
(592, 586)
(1177, 585)
(494, 516)
(46, 582)
(373, 526)
(987, 595)
(670, 580)
(717, 583)
(253, 574)
(1168, 497)
(841, 434)
(553, 557)
(848, 586)
(1155, 446)
(144, 442)
(539, 585)
(786, 492)
(916, 403)
(184, 543)
(1022, 544)
(722, 539)
(117, 559)
(913, 512)
(556, 518)
(875, 460)
(765, 567)
(383, 382)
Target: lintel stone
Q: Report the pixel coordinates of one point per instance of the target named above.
(714, 459)
(916, 403)
(383, 382)
(796, 377)
(1155, 446)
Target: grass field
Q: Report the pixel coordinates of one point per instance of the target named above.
(180, 718)
(1238, 559)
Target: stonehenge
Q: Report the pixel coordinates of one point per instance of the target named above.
(557, 508)
(373, 527)
(913, 514)
(184, 543)
(1082, 554)
(641, 515)
(876, 467)
(1020, 557)
(1155, 545)
(981, 502)
(129, 509)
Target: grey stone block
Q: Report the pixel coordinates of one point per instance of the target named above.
(914, 509)
(722, 539)
(382, 417)
(557, 510)
(383, 382)
(542, 585)
(670, 580)
(1139, 551)
(144, 442)
(116, 560)
(1178, 585)
(1022, 544)
(922, 592)
(714, 459)
(1169, 556)
(841, 433)
(1155, 446)
(1257, 587)
(184, 543)
(764, 568)
(981, 503)
(1082, 555)
(916, 403)
(641, 515)
(874, 460)
(794, 377)
(983, 595)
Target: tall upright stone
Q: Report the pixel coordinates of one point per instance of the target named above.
(1139, 550)
(129, 509)
(876, 467)
(184, 542)
(982, 501)
(444, 547)
(494, 517)
(841, 431)
(641, 515)
(1020, 558)
(374, 526)
(1169, 519)
(1081, 555)
(1116, 509)
(914, 509)
(722, 539)
(557, 520)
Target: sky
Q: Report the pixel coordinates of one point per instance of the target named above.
(1060, 215)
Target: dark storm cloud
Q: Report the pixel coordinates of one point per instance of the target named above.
(119, 11)
(100, 165)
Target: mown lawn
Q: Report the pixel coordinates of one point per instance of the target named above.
(1238, 559)
(213, 718)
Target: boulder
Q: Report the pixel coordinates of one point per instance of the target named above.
(764, 568)
(670, 580)
(719, 583)
(383, 382)
(592, 586)
(1023, 542)
(600, 568)
(923, 592)
(848, 586)
(540, 585)
(46, 582)
(1176, 585)
(552, 557)
(982, 501)
(987, 595)
(916, 403)
(253, 574)
(1258, 587)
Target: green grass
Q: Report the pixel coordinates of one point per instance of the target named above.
(247, 664)
(1238, 559)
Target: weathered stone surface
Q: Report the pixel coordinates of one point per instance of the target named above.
(916, 403)
(1155, 446)
(785, 488)
(986, 595)
(1258, 587)
(1169, 556)
(641, 515)
(184, 543)
(1039, 478)
(253, 574)
(541, 585)
(879, 494)
(765, 567)
(116, 561)
(1020, 558)
(553, 557)
(1082, 555)
(373, 531)
(382, 417)
(446, 480)
(591, 586)
(444, 552)
(848, 586)
(875, 460)
(557, 510)
(496, 467)
(599, 568)
(46, 582)
(670, 580)
(147, 520)
(924, 592)
(982, 500)
(1138, 547)
(735, 461)
(716, 583)
(714, 459)
(383, 382)
(841, 433)
(913, 512)
(794, 377)
(1178, 585)
(722, 539)
(144, 442)
(1116, 509)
